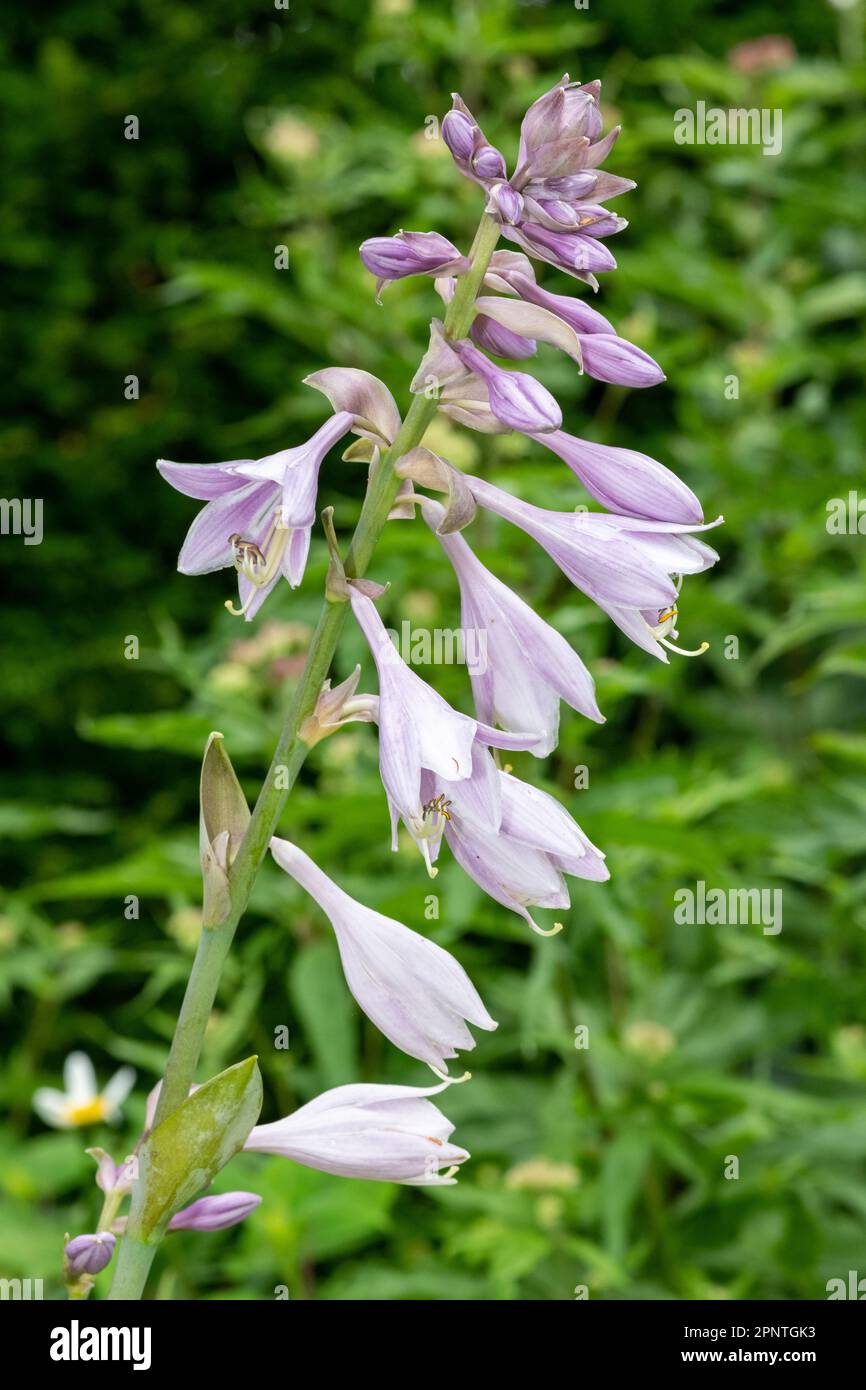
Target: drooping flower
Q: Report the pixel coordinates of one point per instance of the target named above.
(520, 863)
(528, 667)
(410, 253)
(419, 730)
(415, 993)
(81, 1102)
(216, 1212)
(259, 514)
(623, 563)
(385, 1133)
(88, 1254)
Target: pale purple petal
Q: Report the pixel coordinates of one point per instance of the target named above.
(625, 481)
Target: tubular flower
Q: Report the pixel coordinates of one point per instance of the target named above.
(528, 667)
(259, 514)
(417, 995)
(385, 1133)
(521, 861)
(410, 253)
(418, 732)
(623, 563)
(82, 1103)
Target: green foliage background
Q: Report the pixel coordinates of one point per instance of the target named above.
(306, 127)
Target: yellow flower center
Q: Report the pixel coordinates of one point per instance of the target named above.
(89, 1112)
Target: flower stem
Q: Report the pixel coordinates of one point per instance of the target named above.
(214, 944)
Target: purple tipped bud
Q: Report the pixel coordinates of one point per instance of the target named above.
(215, 1213)
(505, 204)
(488, 163)
(458, 132)
(502, 342)
(473, 154)
(609, 358)
(516, 399)
(411, 253)
(570, 251)
(566, 111)
(90, 1253)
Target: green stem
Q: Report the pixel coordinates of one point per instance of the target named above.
(135, 1258)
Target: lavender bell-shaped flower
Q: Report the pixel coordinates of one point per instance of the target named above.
(527, 667)
(216, 1212)
(384, 1133)
(623, 563)
(259, 514)
(419, 731)
(519, 862)
(417, 995)
(89, 1254)
(410, 253)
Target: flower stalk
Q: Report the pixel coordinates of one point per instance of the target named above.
(135, 1255)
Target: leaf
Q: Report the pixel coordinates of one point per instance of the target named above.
(625, 1162)
(186, 1151)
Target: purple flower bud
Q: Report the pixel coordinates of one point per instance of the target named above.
(516, 399)
(502, 342)
(570, 251)
(570, 187)
(458, 132)
(567, 110)
(411, 253)
(609, 358)
(90, 1253)
(504, 204)
(560, 212)
(215, 1213)
(625, 481)
(580, 315)
(488, 163)
(473, 154)
(417, 994)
